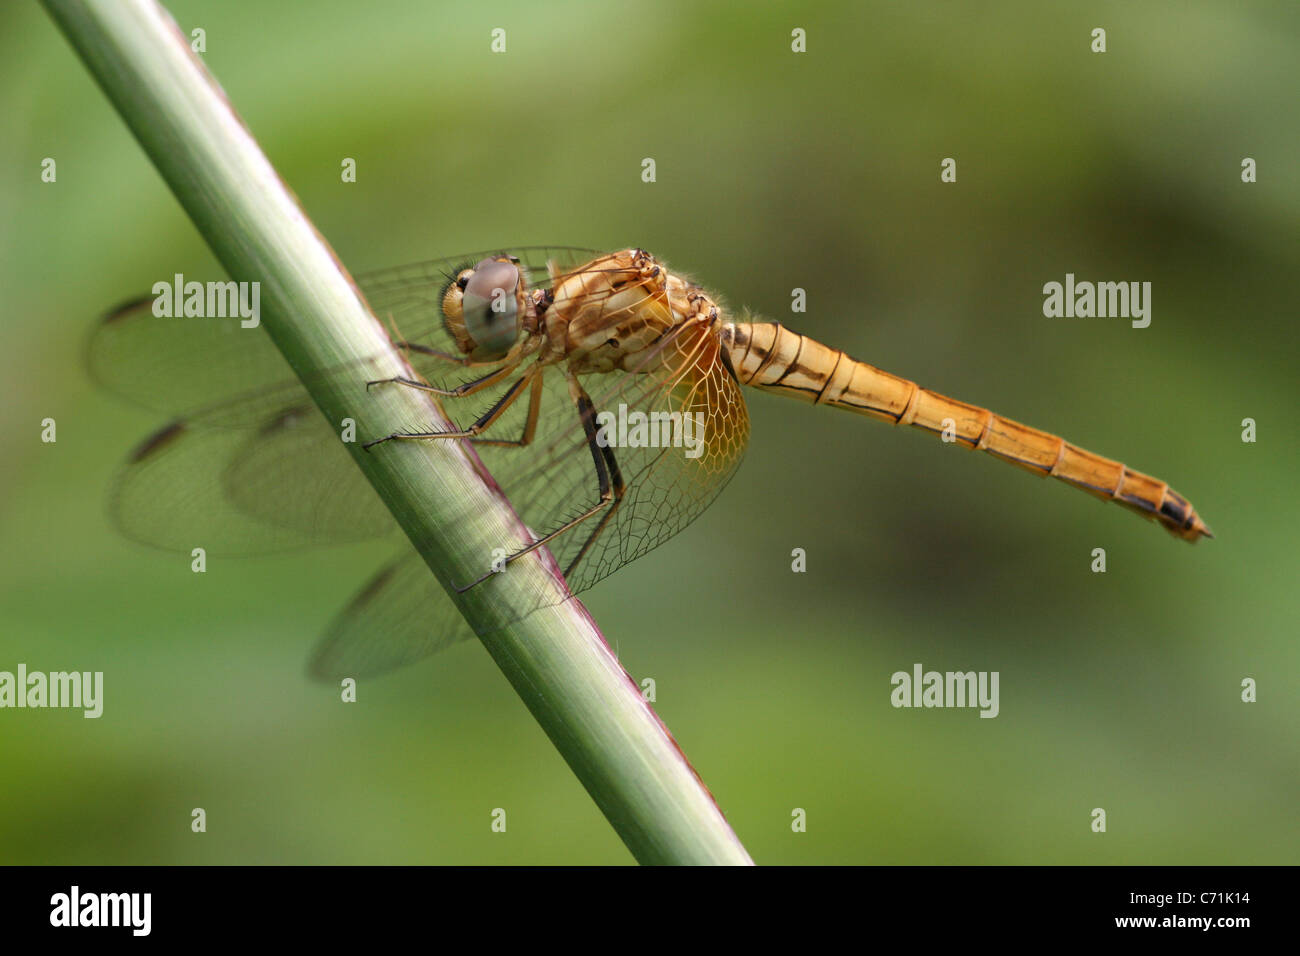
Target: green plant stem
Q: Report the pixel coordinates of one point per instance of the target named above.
(555, 657)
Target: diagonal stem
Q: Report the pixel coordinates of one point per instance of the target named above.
(555, 658)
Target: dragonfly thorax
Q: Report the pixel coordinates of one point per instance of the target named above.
(615, 312)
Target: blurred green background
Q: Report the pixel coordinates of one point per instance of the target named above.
(775, 170)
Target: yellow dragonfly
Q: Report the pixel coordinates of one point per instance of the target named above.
(601, 390)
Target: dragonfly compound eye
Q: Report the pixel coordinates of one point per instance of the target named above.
(490, 309)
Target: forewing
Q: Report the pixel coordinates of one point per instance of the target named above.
(251, 467)
(214, 372)
(208, 370)
(287, 485)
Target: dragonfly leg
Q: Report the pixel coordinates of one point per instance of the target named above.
(616, 479)
(587, 410)
(530, 424)
(480, 426)
(460, 391)
(608, 478)
(463, 360)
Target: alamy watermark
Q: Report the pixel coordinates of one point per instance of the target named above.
(75, 908)
(922, 688)
(1103, 300)
(71, 689)
(208, 300)
(638, 429)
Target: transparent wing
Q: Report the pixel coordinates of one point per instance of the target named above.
(262, 471)
(401, 616)
(399, 619)
(670, 476)
(214, 373)
(251, 467)
(246, 491)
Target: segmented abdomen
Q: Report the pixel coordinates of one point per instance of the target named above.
(768, 356)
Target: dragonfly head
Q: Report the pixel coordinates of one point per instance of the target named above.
(484, 307)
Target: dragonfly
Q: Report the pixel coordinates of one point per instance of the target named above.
(602, 391)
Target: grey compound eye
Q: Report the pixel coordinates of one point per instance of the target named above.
(490, 308)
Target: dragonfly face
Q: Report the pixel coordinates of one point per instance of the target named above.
(605, 399)
(487, 308)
